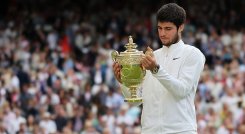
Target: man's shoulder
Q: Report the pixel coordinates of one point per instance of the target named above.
(192, 49)
(194, 52)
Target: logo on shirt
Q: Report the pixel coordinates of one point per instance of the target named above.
(176, 58)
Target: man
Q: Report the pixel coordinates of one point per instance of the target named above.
(171, 79)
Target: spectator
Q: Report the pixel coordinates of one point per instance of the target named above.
(47, 124)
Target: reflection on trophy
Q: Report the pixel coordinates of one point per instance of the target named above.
(132, 73)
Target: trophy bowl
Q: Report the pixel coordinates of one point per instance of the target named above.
(132, 73)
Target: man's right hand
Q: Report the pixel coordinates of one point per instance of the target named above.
(117, 71)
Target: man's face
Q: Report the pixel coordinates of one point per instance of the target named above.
(168, 33)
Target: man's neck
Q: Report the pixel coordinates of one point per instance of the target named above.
(172, 43)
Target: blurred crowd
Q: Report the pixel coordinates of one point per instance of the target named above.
(56, 69)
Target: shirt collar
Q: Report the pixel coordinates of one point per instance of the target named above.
(173, 46)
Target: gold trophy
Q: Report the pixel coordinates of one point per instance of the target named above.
(132, 73)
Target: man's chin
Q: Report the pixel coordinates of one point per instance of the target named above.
(170, 43)
(166, 44)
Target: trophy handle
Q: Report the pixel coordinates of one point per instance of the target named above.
(114, 55)
(143, 68)
(144, 72)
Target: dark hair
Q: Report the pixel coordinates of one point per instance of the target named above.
(171, 13)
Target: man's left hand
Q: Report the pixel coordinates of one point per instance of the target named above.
(149, 61)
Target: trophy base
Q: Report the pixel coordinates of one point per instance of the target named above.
(133, 100)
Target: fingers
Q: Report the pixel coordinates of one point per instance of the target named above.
(117, 71)
(149, 52)
(148, 62)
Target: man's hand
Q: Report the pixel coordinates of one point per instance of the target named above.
(149, 61)
(117, 71)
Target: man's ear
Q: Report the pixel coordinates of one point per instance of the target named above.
(181, 27)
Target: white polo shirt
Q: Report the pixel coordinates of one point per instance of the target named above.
(168, 96)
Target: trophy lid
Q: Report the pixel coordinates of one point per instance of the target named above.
(131, 48)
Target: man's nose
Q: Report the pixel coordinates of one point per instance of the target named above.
(162, 33)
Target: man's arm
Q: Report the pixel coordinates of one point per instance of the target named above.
(189, 76)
